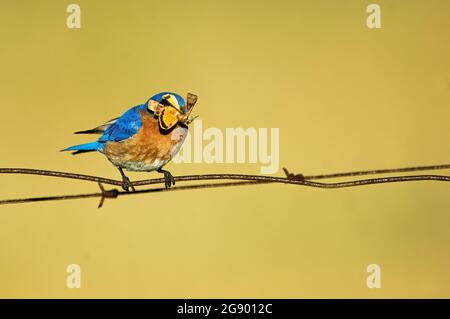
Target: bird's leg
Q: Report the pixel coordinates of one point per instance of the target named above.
(126, 183)
(168, 178)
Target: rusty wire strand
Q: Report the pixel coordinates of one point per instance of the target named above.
(296, 179)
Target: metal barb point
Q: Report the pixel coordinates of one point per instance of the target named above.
(292, 176)
(113, 193)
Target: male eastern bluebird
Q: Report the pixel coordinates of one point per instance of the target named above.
(144, 138)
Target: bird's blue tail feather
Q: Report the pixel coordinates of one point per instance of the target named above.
(82, 148)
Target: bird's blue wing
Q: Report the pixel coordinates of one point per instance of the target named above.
(126, 126)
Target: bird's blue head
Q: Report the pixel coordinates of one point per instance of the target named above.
(170, 99)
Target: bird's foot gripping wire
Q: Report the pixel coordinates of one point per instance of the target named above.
(168, 178)
(126, 183)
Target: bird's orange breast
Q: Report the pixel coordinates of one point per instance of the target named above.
(147, 150)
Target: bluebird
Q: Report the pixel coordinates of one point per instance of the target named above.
(145, 138)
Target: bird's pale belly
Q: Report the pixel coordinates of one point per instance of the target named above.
(148, 149)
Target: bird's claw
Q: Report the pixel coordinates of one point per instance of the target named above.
(168, 179)
(127, 185)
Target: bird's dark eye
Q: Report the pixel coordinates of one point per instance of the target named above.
(165, 102)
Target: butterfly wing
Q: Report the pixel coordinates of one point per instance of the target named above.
(168, 118)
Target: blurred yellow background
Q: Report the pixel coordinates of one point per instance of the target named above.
(345, 97)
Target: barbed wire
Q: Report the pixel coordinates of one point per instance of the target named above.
(239, 180)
